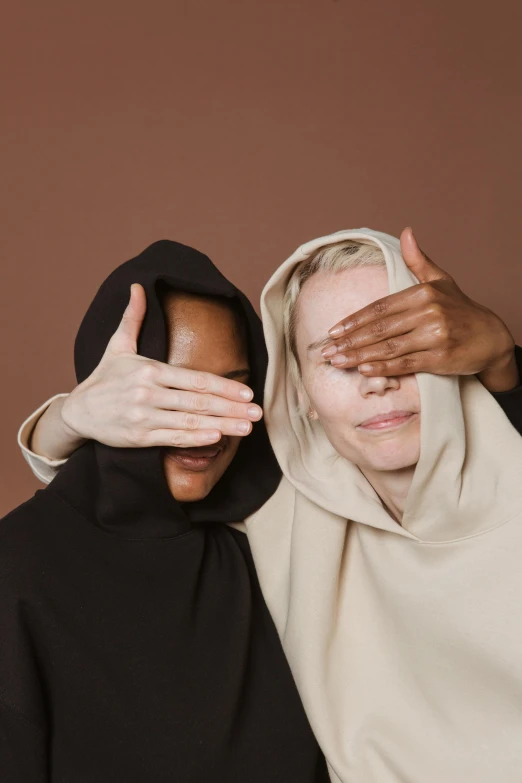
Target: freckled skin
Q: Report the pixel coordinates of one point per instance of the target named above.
(342, 399)
(203, 334)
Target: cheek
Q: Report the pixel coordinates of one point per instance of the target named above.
(333, 395)
(410, 388)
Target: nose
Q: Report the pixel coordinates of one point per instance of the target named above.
(378, 385)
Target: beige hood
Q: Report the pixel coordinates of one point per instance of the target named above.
(405, 641)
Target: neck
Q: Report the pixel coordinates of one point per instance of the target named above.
(392, 486)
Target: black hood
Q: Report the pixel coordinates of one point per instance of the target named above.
(124, 490)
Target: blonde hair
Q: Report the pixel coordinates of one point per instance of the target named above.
(329, 258)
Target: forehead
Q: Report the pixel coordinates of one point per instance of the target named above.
(204, 334)
(328, 297)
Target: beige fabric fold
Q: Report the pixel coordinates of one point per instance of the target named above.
(405, 641)
(44, 469)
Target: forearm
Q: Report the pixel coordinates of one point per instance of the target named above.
(51, 437)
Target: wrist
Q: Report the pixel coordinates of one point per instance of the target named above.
(67, 417)
(51, 437)
(503, 375)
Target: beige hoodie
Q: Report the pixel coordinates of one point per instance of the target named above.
(405, 641)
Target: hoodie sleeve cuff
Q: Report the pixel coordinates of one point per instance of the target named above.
(44, 469)
(511, 401)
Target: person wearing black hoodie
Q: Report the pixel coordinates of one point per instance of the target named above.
(135, 644)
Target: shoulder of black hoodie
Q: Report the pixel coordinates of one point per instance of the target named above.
(29, 546)
(511, 401)
(23, 711)
(35, 554)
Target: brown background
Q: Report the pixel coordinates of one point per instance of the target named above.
(244, 128)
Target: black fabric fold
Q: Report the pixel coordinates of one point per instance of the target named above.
(511, 401)
(125, 491)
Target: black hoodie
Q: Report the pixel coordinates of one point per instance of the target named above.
(135, 645)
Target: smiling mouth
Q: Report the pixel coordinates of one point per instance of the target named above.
(387, 421)
(197, 459)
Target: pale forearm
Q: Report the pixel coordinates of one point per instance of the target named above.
(51, 437)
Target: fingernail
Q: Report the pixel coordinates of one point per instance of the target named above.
(246, 394)
(336, 331)
(254, 412)
(338, 360)
(244, 427)
(365, 368)
(327, 352)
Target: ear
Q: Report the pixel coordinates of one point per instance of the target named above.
(304, 405)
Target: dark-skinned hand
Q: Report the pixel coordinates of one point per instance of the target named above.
(431, 327)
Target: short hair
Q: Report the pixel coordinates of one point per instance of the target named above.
(334, 258)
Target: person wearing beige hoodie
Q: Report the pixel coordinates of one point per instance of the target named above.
(386, 554)
(390, 554)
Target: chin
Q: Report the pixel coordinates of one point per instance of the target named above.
(186, 490)
(390, 455)
(189, 497)
(386, 466)
(388, 459)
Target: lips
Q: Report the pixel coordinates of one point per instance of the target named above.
(387, 420)
(196, 459)
(199, 452)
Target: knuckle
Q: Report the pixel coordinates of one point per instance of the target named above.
(442, 332)
(391, 347)
(141, 395)
(379, 307)
(148, 372)
(190, 421)
(136, 415)
(200, 381)
(378, 328)
(407, 363)
(200, 403)
(178, 439)
(436, 312)
(428, 292)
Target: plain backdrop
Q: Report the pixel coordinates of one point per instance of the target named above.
(243, 128)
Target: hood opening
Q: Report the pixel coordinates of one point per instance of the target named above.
(457, 481)
(124, 490)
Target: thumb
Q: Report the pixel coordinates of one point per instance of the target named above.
(125, 338)
(417, 261)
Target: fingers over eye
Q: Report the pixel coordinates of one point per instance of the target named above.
(206, 404)
(382, 328)
(381, 351)
(193, 422)
(404, 365)
(183, 438)
(388, 305)
(204, 382)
